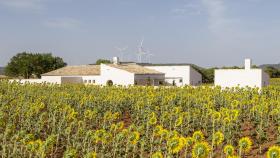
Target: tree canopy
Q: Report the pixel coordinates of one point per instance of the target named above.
(102, 61)
(28, 65)
(272, 72)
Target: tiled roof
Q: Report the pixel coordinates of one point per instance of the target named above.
(82, 70)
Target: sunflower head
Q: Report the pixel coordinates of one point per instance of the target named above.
(177, 110)
(216, 116)
(91, 155)
(273, 152)
(120, 125)
(234, 156)
(245, 144)
(235, 114)
(99, 135)
(164, 133)
(226, 120)
(229, 150)
(158, 129)
(157, 154)
(201, 150)
(152, 120)
(134, 137)
(198, 136)
(175, 144)
(172, 134)
(179, 121)
(189, 141)
(113, 128)
(218, 138)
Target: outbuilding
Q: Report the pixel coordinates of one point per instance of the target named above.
(178, 74)
(251, 77)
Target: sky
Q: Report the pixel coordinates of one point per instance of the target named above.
(203, 32)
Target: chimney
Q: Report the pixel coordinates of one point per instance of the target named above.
(248, 63)
(116, 60)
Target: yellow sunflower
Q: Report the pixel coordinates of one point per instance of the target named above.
(229, 150)
(218, 138)
(157, 154)
(198, 136)
(245, 144)
(134, 137)
(189, 141)
(273, 152)
(175, 145)
(201, 150)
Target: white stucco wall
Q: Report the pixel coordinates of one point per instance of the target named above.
(72, 79)
(118, 76)
(240, 77)
(24, 81)
(51, 79)
(92, 79)
(179, 72)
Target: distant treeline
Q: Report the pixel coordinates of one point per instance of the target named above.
(2, 71)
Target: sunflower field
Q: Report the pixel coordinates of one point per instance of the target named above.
(78, 121)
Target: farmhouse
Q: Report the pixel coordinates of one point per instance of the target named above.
(178, 74)
(122, 73)
(251, 77)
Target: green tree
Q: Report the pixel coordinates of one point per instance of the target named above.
(27, 65)
(102, 61)
(272, 72)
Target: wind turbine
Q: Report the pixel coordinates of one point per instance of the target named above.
(140, 52)
(121, 51)
(149, 55)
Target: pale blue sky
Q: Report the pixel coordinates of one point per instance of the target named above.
(203, 32)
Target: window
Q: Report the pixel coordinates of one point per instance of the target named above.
(85, 81)
(93, 81)
(109, 83)
(181, 80)
(89, 81)
(173, 83)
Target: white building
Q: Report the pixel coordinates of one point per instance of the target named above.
(123, 74)
(116, 73)
(178, 74)
(249, 76)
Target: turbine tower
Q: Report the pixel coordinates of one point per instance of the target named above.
(140, 52)
(121, 51)
(149, 56)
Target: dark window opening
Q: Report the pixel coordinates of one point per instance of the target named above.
(109, 83)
